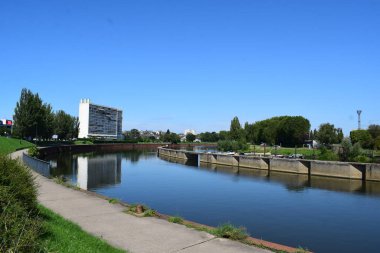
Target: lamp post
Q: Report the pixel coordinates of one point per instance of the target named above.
(36, 124)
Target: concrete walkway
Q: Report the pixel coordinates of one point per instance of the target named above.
(107, 221)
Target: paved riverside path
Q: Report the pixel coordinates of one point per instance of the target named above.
(107, 221)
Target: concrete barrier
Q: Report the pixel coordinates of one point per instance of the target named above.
(40, 166)
(227, 160)
(253, 162)
(288, 165)
(334, 169)
(372, 172)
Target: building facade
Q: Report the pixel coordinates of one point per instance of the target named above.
(97, 121)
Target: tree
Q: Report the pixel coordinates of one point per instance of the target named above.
(362, 136)
(174, 138)
(224, 135)
(236, 132)
(346, 151)
(65, 125)
(209, 137)
(327, 134)
(32, 118)
(374, 130)
(190, 137)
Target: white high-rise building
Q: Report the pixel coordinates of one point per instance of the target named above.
(99, 121)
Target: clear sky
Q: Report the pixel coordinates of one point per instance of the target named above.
(196, 63)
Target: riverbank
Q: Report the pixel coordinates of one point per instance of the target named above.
(110, 222)
(348, 170)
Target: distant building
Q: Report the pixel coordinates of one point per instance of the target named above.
(97, 121)
(6, 122)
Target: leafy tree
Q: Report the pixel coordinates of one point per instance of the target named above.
(236, 132)
(209, 137)
(374, 130)
(133, 135)
(65, 125)
(362, 136)
(4, 130)
(190, 137)
(346, 150)
(32, 118)
(224, 135)
(376, 143)
(232, 145)
(174, 138)
(327, 134)
(292, 131)
(284, 130)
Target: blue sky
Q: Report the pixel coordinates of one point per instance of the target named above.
(196, 63)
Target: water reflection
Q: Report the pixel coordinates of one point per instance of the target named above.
(297, 182)
(98, 171)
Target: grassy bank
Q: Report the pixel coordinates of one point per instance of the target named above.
(284, 151)
(9, 145)
(65, 237)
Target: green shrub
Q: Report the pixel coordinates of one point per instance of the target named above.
(228, 145)
(361, 159)
(231, 232)
(20, 224)
(33, 152)
(327, 155)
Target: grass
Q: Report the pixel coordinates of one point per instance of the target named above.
(65, 237)
(175, 219)
(147, 212)
(9, 145)
(113, 201)
(283, 150)
(80, 142)
(231, 232)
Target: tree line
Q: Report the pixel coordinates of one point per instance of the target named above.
(35, 119)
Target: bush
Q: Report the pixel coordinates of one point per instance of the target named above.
(327, 155)
(33, 152)
(20, 224)
(228, 145)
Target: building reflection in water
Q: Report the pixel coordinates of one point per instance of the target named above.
(98, 171)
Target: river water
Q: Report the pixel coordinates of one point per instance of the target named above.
(321, 214)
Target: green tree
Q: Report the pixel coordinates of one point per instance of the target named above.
(362, 136)
(209, 137)
(133, 135)
(190, 137)
(65, 125)
(374, 130)
(346, 149)
(32, 118)
(224, 135)
(236, 132)
(327, 134)
(174, 138)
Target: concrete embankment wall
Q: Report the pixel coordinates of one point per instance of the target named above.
(288, 165)
(361, 171)
(335, 169)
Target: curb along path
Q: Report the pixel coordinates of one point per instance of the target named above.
(107, 221)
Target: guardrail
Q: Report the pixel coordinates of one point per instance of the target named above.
(39, 166)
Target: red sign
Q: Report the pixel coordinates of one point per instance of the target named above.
(8, 122)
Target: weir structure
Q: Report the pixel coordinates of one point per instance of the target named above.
(348, 170)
